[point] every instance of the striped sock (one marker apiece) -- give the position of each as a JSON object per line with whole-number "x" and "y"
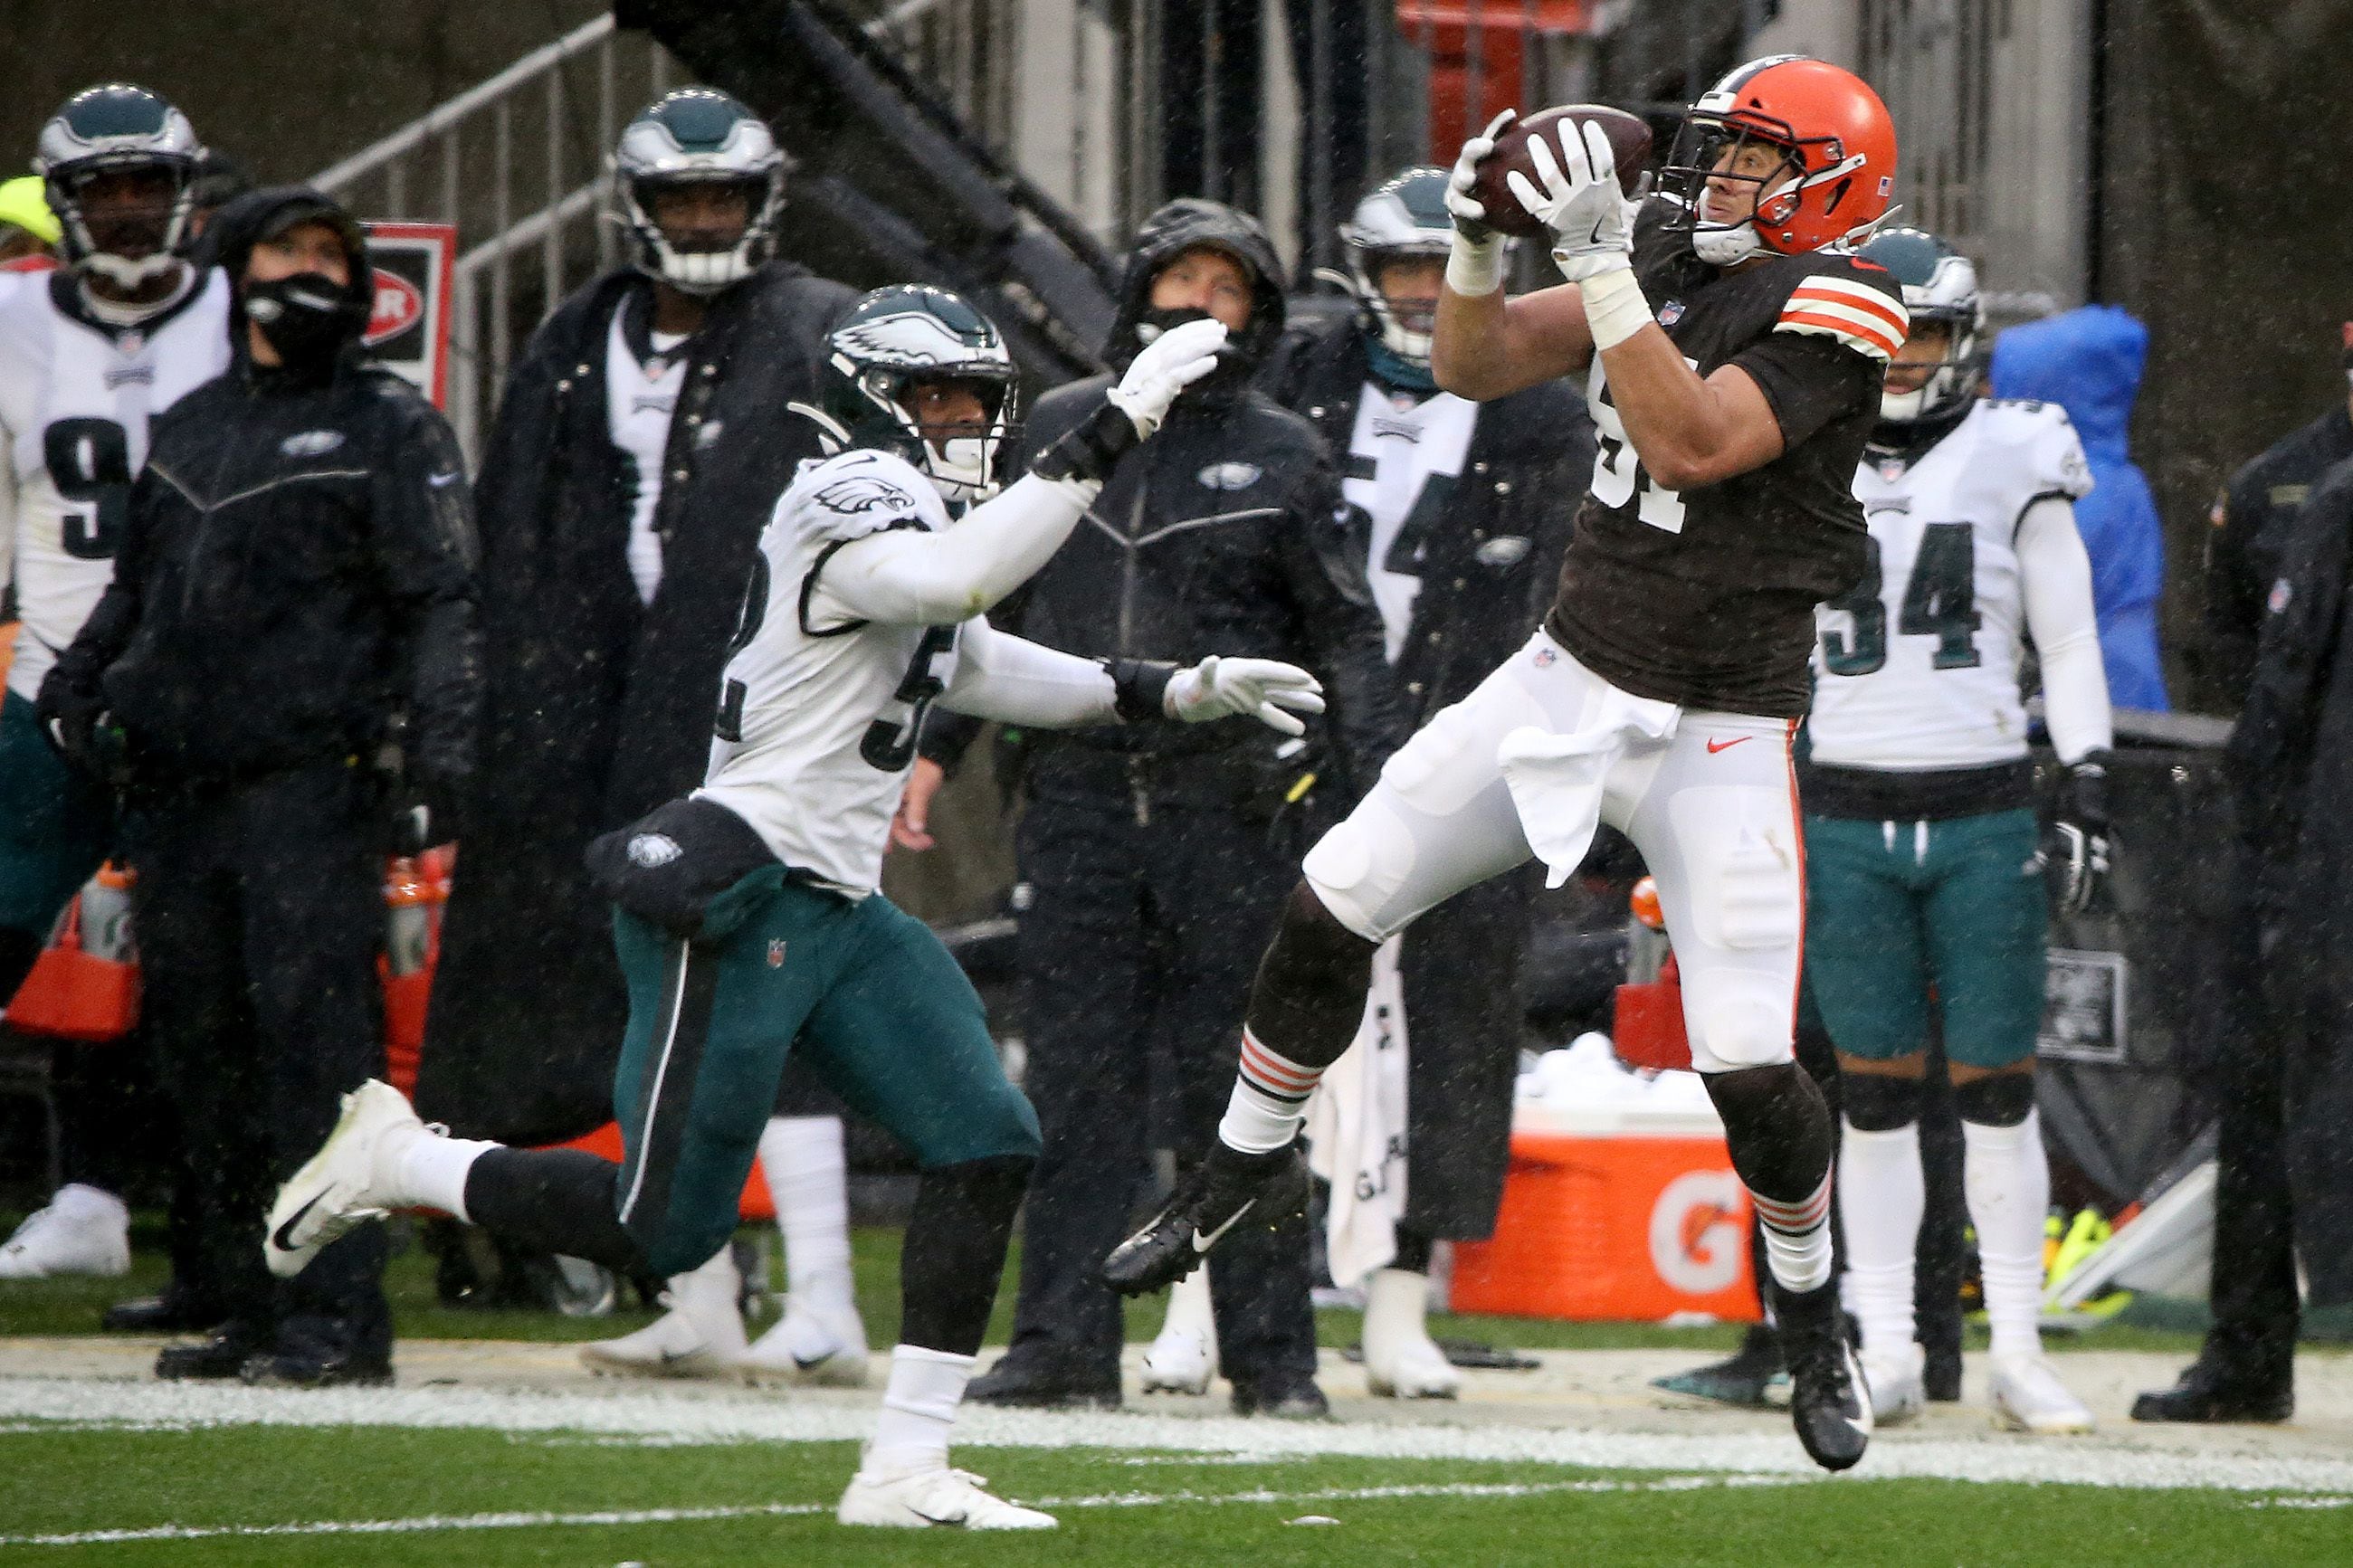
{"x": 1797, "y": 1237}
{"x": 1269, "y": 1099}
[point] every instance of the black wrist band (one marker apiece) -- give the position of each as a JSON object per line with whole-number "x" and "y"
{"x": 1088, "y": 449}
{"x": 1139, "y": 687}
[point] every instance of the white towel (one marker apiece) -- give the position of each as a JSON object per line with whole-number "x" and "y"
{"x": 1355, "y": 1131}
{"x": 1556, "y": 779}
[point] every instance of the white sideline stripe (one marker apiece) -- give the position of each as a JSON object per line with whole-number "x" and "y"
{"x": 2084, "y": 1461}
{"x": 787, "y": 1509}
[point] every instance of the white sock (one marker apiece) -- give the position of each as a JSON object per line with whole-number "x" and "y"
{"x": 1797, "y": 1237}
{"x": 1269, "y": 1099}
{"x": 1882, "y": 1196}
{"x": 808, "y": 1178}
{"x": 2009, "y": 1186}
{"x": 431, "y": 1172}
{"x": 919, "y": 1408}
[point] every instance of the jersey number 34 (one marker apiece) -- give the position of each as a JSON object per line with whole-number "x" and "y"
{"x": 1940, "y": 601}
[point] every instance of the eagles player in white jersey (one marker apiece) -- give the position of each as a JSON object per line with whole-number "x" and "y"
{"x": 748, "y": 914}
{"x": 89, "y": 355}
{"x": 1923, "y": 867}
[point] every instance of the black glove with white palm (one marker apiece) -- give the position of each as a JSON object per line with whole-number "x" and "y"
{"x": 1219, "y": 686}
{"x": 2076, "y": 850}
{"x": 1133, "y": 409}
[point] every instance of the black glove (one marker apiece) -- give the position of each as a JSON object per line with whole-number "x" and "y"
{"x": 81, "y": 731}
{"x": 2076, "y": 847}
{"x": 424, "y": 814}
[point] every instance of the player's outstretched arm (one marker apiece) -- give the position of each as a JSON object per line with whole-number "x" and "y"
{"x": 914, "y": 577}
{"x": 1486, "y": 346}
{"x": 2057, "y": 574}
{"x": 999, "y": 676}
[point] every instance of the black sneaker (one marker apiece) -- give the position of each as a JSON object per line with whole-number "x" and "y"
{"x": 222, "y": 1355}
{"x": 2207, "y": 1393}
{"x": 1213, "y": 1197}
{"x": 1829, "y": 1404}
{"x": 1286, "y": 1396}
{"x": 308, "y": 1369}
{"x": 1024, "y": 1383}
{"x": 171, "y": 1312}
{"x": 1740, "y": 1380}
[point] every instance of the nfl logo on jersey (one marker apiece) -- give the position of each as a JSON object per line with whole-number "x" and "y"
{"x": 776, "y": 953}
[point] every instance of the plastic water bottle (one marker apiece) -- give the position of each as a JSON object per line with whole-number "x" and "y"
{"x": 1646, "y": 935}
{"x": 106, "y": 916}
{"x": 408, "y": 916}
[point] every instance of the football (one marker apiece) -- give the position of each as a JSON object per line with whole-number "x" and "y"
{"x": 1629, "y": 138}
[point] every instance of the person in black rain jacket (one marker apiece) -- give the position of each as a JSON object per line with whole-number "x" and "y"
{"x": 283, "y": 677}
{"x": 1155, "y": 859}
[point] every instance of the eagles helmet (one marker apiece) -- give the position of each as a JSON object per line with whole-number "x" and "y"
{"x": 1405, "y": 217}
{"x": 700, "y": 136}
{"x": 894, "y": 338}
{"x": 1940, "y": 288}
{"x": 114, "y": 129}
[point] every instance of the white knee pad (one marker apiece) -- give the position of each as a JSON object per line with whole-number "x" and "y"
{"x": 1357, "y": 867}
{"x": 1738, "y": 1017}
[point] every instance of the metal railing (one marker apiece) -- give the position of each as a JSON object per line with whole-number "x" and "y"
{"x": 520, "y": 161}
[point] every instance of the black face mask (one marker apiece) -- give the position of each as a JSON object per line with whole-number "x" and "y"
{"x": 309, "y": 318}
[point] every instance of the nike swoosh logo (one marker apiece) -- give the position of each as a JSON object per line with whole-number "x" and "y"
{"x": 808, "y": 1363}
{"x": 955, "y": 1521}
{"x": 1716, "y": 746}
{"x": 283, "y": 1237}
{"x": 1201, "y": 1244}
{"x": 671, "y": 1358}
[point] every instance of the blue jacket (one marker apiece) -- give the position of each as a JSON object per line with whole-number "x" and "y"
{"x": 2089, "y": 362}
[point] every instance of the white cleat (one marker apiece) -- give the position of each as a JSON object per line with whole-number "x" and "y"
{"x": 1897, "y": 1393}
{"x": 346, "y": 1183}
{"x": 1181, "y": 1360}
{"x": 1401, "y": 1360}
{"x": 2028, "y": 1397}
{"x": 922, "y": 1500}
{"x": 701, "y": 1335}
{"x": 825, "y": 1347}
{"x": 83, "y": 1230}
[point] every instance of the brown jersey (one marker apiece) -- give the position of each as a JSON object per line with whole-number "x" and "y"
{"x": 1705, "y": 597}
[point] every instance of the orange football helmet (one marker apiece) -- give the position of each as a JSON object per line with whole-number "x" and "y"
{"x": 1833, "y": 135}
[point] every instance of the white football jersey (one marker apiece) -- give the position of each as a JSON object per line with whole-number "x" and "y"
{"x": 1917, "y": 668}
{"x": 818, "y": 723}
{"x": 1404, "y": 456}
{"x": 75, "y": 399}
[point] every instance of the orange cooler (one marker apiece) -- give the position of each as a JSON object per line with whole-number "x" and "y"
{"x": 1614, "y": 1215}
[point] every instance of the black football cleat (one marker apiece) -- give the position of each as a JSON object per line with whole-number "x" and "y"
{"x": 1221, "y": 1192}
{"x": 173, "y": 1312}
{"x": 1829, "y": 1404}
{"x": 1285, "y": 1396}
{"x": 316, "y": 1369}
{"x": 1025, "y": 1383}
{"x": 1740, "y": 1380}
{"x": 220, "y": 1354}
{"x": 2207, "y": 1393}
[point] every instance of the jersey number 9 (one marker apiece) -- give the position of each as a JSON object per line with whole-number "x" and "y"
{"x": 89, "y": 462}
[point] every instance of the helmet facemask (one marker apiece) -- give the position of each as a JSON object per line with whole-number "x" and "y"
{"x": 693, "y": 269}
{"x": 1404, "y": 218}
{"x": 960, "y": 459}
{"x": 698, "y": 137}
{"x": 1709, "y": 149}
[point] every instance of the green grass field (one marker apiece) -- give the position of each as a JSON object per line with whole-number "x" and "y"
{"x": 263, "y": 1497}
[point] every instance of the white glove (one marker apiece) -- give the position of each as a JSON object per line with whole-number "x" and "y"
{"x": 1581, "y": 201}
{"x": 1470, "y": 217}
{"x": 1217, "y": 688}
{"x": 1165, "y": 367}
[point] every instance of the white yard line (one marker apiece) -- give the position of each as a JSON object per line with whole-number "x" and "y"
{"x": 429, "y": 1522}
{"x": 2109, "y": 1461}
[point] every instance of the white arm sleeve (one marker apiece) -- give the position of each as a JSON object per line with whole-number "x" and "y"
{"x": 2058, "y": 580}
{"x": 914, "y": 577}
{"x": 1001, "y": 676}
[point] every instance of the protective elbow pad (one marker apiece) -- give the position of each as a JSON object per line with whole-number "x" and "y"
{"x": 1878, "y": 1101}
{"x": 2002, "y": 1099}
{"x": 1089, "y": 448}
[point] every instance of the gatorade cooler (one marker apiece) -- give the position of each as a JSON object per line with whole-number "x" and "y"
{"x": 85, "y": 984}
{"x": 755, "y": 1204}
{"x": 1628, "y": 1213}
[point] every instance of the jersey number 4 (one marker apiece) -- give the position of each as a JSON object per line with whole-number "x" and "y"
{"x": 890, "y": 743}
{"x": 1940, "y": 601}
{"x": 89, "y": 462}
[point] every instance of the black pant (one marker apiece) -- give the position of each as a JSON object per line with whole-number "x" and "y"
{"x": 259, "y": 913}
{"x": 2255, "y": 1299}
{"x": 1140, "y": 943}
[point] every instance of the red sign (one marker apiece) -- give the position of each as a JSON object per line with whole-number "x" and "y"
{"x": 399, "y": 306}
{"x": 408, "y": 321}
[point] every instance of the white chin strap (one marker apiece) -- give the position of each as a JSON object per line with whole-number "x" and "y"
{"x": 1404, "y": 341}
{"x": 959, "y": 467}
{"x": 125, "y": 273}
{"x": 1720, "y": 246}
{"x": 703, "y": 271}
{"x": 1902, "y": 407}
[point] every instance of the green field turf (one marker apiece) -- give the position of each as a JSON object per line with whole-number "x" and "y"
{"x": 429, "y": 1492}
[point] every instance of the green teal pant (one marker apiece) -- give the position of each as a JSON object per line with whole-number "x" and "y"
{"x": 1893, "y": 909}
{"x": 55, "y": 825}
{"x": 881, "y": 1011}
